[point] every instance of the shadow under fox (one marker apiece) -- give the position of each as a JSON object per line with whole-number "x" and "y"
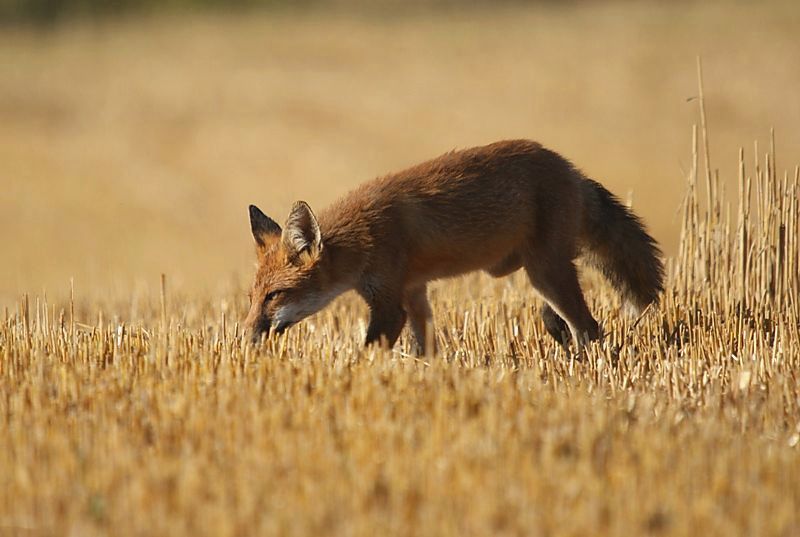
{"x": 498, "y": 208}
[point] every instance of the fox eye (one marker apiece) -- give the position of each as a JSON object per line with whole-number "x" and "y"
{"x": 272, "y": 294}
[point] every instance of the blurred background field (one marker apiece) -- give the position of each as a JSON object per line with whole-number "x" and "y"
{"x": 131, "y": 145}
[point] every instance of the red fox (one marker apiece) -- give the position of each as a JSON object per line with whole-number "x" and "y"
{"x": 498, "y": 208}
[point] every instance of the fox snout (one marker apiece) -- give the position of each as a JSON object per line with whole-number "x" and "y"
{"x": 265, "y": 326}
{"x": 259, "y": 328}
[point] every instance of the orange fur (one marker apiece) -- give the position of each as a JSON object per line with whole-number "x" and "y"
{"x": 498, "y": 208}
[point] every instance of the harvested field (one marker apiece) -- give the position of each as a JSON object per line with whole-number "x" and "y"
{"x": 132, "y": 405}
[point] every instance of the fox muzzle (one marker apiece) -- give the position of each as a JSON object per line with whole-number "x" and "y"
{"x": 267, "y": 328}
{"x": 258, "y": 329}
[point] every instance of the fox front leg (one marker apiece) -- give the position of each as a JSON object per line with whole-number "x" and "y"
{"x": 420, "y": 316}
{"x": 385, "y": 324}
{"x": 384, "y": 296}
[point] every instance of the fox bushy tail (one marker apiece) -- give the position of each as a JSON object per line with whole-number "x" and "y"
{"x": 617, "y": 244}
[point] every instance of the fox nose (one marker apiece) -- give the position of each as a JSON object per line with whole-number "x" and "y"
{"x": 259, "y": 328}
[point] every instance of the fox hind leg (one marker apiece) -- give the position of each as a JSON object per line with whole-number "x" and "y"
{"x": 555, "y": 326}
{"x": 416, "y": 304}
{"x": 557, "y": 282}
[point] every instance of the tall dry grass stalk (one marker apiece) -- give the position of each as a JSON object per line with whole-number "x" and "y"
{"x": 755, "y": 257}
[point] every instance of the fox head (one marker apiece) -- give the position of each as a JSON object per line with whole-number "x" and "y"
{"x": 289, "y": 282}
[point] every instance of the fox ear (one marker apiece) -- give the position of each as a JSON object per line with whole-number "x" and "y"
{"x": 301, "y": 233}
{"x": 262, "y": 225}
